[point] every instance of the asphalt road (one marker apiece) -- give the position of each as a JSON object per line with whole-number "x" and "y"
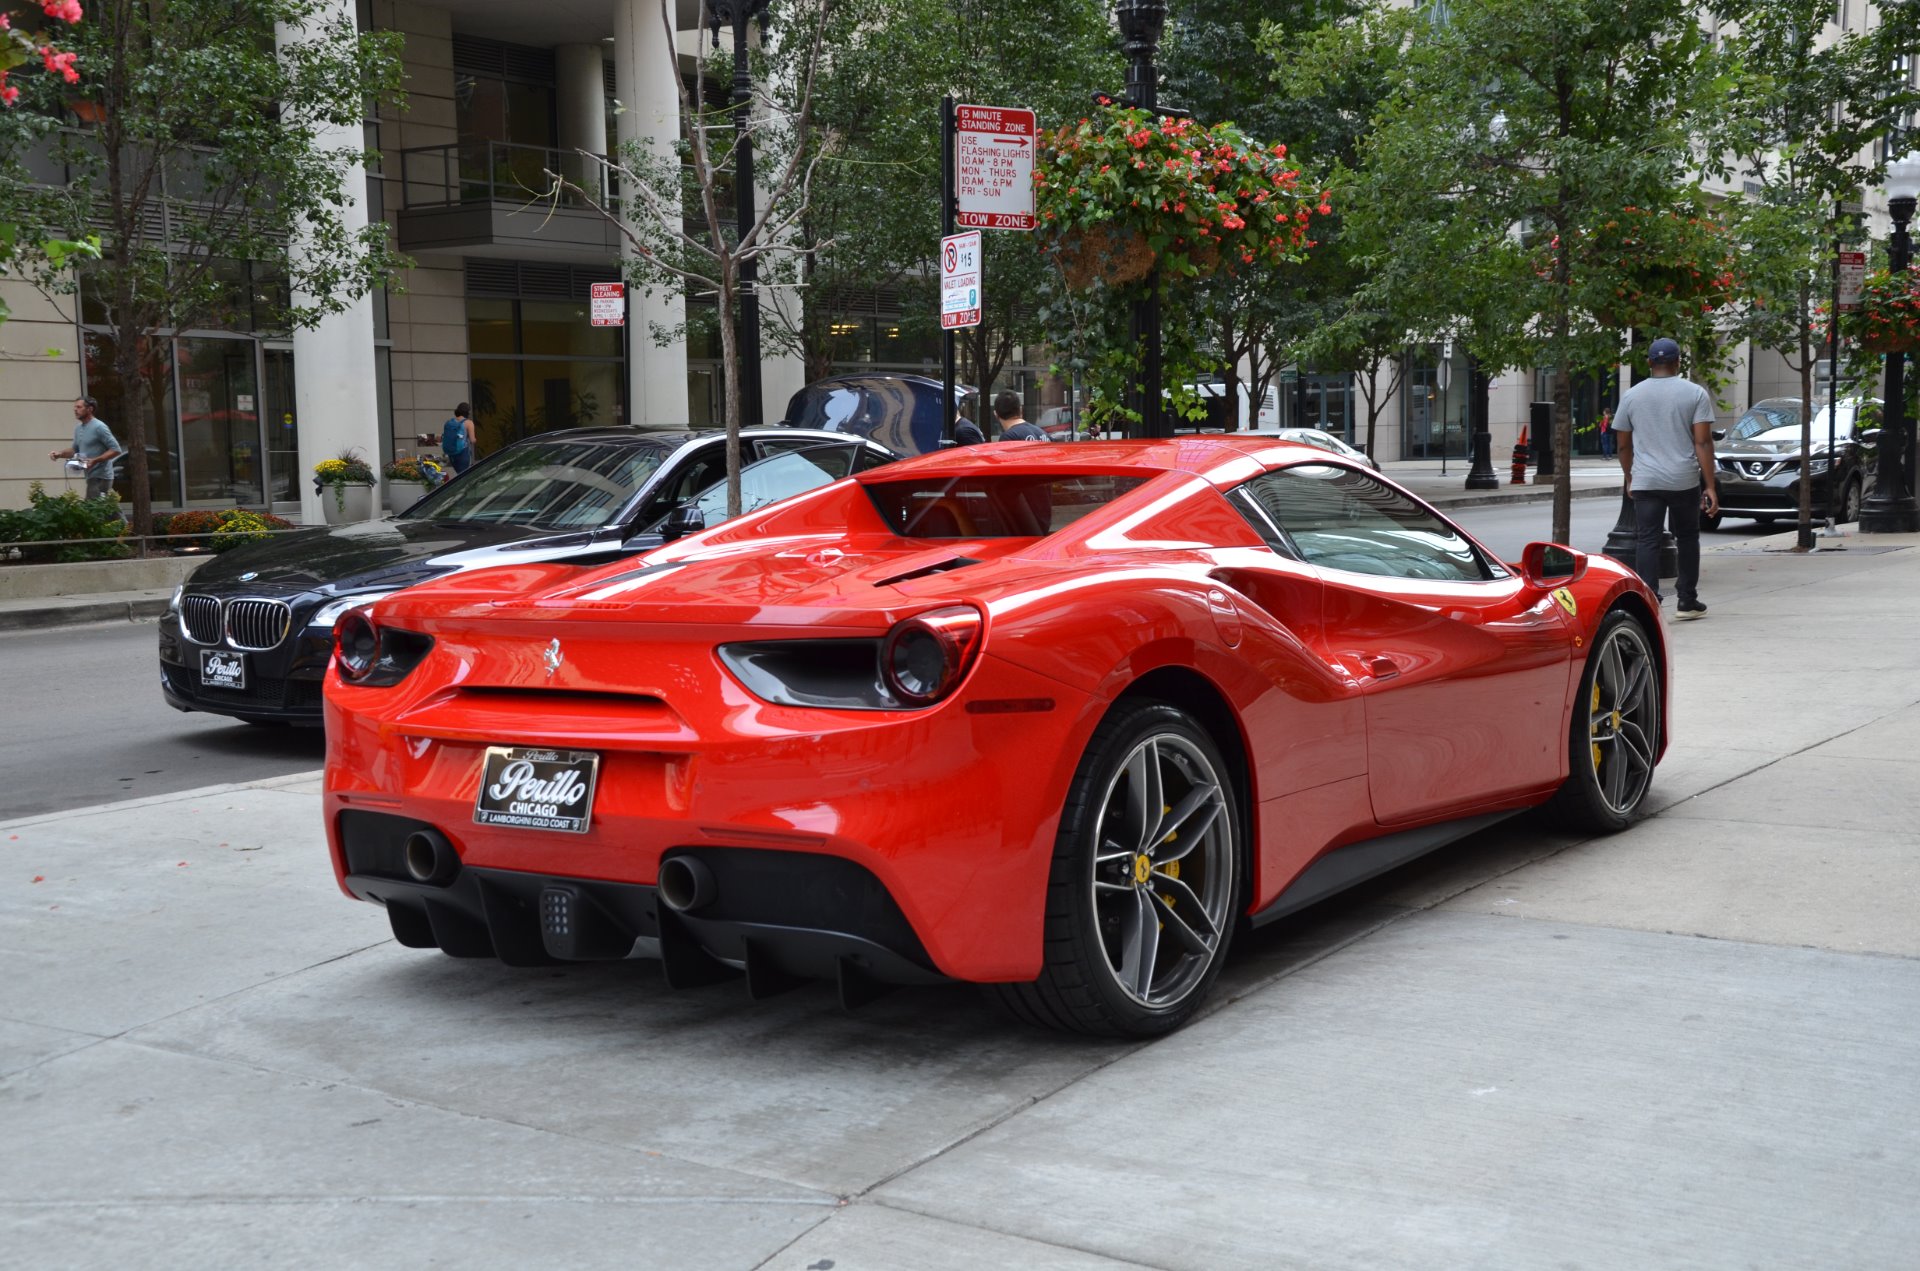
{"x": 93, "y": 728}
{"x": 87, "y": 725}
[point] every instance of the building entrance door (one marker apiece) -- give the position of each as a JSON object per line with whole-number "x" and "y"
{"x": 221, "y": 448}
{"x": 281, "y": 428}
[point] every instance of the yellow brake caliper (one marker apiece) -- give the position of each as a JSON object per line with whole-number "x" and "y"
{"x": 1593, "y": 730}
{"x": 1172, "y": 868}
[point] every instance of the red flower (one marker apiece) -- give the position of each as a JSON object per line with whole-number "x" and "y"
{"x": 65, "y": 10}
{"x": 60, "y": 63}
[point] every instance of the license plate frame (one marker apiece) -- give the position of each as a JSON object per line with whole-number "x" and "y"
{"x": 537, "y": 788}
{"x": 223, "y": 669}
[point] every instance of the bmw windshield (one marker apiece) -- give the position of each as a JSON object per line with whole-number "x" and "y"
{"x": 548, "y": 485}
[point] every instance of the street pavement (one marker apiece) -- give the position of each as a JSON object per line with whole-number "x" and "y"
{"x": 1694, "y": 1044}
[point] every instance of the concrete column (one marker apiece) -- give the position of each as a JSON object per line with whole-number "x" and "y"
{"x": 336, "y": 406}
{"x": 646, "y": 70}
{"x": 583, "y": 111}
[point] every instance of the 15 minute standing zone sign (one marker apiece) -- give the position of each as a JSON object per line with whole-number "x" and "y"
{"x": 993, "y": 167}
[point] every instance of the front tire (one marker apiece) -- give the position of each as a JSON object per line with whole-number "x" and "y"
{"x": 1614, "y": 738}
{"x": 1849, "y": 509}
{"x": 1145, "y": 885}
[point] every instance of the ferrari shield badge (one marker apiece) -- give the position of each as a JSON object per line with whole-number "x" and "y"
{"x": 1566, "y": 601}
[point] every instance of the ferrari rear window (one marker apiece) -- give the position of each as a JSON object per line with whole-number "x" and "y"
{"x": 993, "y": 506}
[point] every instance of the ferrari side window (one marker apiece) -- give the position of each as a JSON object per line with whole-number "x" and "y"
{"x": 1341, "y": 519}
{"x": 1253, "y": 514}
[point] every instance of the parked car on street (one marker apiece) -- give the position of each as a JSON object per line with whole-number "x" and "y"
{"x": 901, "y": 412}
{"x": 249, "y": 634}
{"x": 1057, "y": 720}
{"x": 1757, "y": 463}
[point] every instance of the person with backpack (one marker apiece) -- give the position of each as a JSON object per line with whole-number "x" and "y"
{"x": 457, "y": 440}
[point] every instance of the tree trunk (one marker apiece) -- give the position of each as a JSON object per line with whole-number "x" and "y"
{"x": 1562, "y": 439}
{"x": 730, "y": 369}
{"x": 1231, "y": 391}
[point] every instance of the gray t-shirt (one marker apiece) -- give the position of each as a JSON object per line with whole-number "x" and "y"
{"x": 1660, "y": 412}
{"x": 93, "y": 437}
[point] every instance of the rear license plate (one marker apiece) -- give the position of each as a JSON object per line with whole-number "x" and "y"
{"x": 531, "y": 789}
{"x": 222, "y": 669}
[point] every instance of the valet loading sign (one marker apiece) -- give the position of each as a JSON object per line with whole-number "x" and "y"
{"x": 960, "y": 280}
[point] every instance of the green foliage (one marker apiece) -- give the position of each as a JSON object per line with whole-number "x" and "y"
{"x": 50, "y": 517}
{"x": 241, "y": 526}
{"x": 1888, "y": 319}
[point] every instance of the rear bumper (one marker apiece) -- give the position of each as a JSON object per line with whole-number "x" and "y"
{"x": 777, "y": 917}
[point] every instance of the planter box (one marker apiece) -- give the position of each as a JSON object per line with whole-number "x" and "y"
{"x": 402, "y": 495}
{"x": 346, "y": 504}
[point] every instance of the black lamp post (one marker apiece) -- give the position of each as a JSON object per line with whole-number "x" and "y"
{"x": 1891, "y": 508}
{"x": 1480, "y": 423}
{"x": 737, "y": 14}
{"x": 1141, "y": 22}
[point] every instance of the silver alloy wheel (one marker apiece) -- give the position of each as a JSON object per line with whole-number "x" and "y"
{"x": 1623, "y": 719}
{"x": 1849, "y": 503}
{"x": 1163, "y": 872}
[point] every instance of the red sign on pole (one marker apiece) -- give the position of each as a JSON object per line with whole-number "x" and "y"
{"x": 993, "y": 167}
{"x": 1853, "y": 277}
{"x": 607, "y": 304}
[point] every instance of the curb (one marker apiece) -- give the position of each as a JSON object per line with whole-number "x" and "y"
{"x": 1541, "y": 495}
{"x": 50, "y": 616}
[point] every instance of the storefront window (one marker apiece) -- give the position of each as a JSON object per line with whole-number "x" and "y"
{"x": 149, "y": 414}
{"x": 1434, "y": 414}
{"x": 219, "y": 421}
{"x": 563, "y": 329}
{"x": 545, "y": 366}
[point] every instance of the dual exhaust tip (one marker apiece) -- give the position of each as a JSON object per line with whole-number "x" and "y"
{"x": 685, "y": 885}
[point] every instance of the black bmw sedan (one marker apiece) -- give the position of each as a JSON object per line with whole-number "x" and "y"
{"x": 249, "y": 634}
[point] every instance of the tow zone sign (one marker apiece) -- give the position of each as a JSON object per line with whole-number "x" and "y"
{"x": 993, "y": 167}
{"x": 960, "y": 280}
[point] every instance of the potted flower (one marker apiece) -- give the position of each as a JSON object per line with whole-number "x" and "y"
{"x": 350, "y": 480}
{"x": 408, "y": 477}
{"x": 1126, "y": 190}
{"x": 1888, "y": 319}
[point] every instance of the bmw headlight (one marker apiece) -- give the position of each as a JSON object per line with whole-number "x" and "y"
{"x": 330, "y": 612}
{"x": 173, "y": 606}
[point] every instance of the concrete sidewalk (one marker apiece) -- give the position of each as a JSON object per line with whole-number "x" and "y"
{"x": 1694, "y": 1044}
{"x": 38, "y": 596}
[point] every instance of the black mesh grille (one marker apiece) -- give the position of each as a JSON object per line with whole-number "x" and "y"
{"x": 200, "y": 615}
{"x": 257, "y": 624}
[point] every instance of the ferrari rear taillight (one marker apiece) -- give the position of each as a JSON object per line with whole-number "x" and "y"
{"x": 377, "y": 657}
{"x": 356, "y": 644}
{"x": 925, "y": 657}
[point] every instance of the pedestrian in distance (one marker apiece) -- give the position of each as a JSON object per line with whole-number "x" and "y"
{"x": 94, "y": 448}
{"x": 1606, "y": 434}
{"x": 457, "y": 440}
{"x": 966, "y": 432}
{"x": 1664, "y": 426}
{"x": 1013, "y": 426}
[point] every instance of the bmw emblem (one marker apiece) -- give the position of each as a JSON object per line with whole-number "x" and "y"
{"x": 249, "y": 576}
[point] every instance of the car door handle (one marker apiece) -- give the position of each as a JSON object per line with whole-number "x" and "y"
{"x": 1382, "y": 668}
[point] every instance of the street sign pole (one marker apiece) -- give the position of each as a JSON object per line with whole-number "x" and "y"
{"x": 946, "y": 230}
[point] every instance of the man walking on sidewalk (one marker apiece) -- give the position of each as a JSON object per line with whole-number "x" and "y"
{"x": 1665, "y": 429}
{"x": 94, "y": 446}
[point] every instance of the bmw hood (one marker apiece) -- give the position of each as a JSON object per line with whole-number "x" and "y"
{"x": 393, "y": 553}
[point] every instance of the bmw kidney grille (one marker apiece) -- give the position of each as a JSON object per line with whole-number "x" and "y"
{"x": 257, "y": 624}
{"x": 200, "y": 619}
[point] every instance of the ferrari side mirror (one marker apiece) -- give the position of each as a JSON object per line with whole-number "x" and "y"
{"x": 1551, "y": 565}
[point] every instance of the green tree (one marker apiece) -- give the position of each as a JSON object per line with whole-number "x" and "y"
{"x": 1514, "y": 127}
{"x": 207, "y": 146}
{"x": 26, "y": 38}
{"x": 1808, "y": 106}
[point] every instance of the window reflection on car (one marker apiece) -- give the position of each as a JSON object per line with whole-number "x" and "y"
{"x": 780, "y": 477}
{"x": 560, "y": 485}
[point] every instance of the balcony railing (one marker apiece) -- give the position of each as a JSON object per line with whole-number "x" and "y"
{"x": 476, "y": 170}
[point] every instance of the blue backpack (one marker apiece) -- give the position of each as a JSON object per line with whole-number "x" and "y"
{"x": 453, "y": 438}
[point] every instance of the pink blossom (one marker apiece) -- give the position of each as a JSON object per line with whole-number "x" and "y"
{"x": 65, "y": 10}
{"x": 8, "y": 93}
{"x": 60, "y": 63}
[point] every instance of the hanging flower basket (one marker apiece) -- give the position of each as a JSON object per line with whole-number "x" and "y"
{"x": 1888, "y": 319}
{"x": 1663, "y": 266}
{"x": 1124, "y": 191}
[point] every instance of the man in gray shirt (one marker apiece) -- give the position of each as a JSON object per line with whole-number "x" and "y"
{"x": 1665, "y": 427}
{"x": 94, "y": 445}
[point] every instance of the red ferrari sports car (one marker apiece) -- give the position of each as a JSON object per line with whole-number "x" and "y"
{"x": 1057, "y": 720}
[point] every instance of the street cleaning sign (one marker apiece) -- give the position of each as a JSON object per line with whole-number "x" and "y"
{"x": 1853, "y": 277}
{"x": 993, "y": 167}
{"x": 960, "y": 280}
{"x": 607, "y": 304}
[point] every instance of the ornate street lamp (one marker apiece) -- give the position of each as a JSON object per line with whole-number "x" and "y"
{"x": 737, "y": 14}
{"x": 1891, "y": 508}
{"x": 1141, "y": 22}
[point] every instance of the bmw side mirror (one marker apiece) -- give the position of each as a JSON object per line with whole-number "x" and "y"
{"x": 1551, "y": 565}
{"x": 682, "y": 521}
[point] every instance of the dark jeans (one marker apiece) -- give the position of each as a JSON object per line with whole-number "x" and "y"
{"x": 462, "y": 461}
{"x": 1679, "y": 510}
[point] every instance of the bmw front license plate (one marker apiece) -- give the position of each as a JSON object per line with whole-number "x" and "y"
{"x": 222, "y": 669}
{"x": 531, "y": 789}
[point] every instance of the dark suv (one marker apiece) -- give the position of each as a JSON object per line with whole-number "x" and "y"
{"x": 1757, "y": 463}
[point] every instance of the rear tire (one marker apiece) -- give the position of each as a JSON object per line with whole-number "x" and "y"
{"x": 1146, "y": 882}
{"x": 1614, "y": 738}
{"x": 1849, "y": 509}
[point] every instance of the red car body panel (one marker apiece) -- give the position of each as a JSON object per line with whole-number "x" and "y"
{"x": 1360, "y": 704}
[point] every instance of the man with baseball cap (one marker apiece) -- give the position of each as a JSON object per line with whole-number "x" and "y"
{"x": 1665, "y": 428}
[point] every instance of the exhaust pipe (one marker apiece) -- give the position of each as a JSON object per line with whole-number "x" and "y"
{"x": 686, "y": 884}
{"x": 430, "y": 858}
